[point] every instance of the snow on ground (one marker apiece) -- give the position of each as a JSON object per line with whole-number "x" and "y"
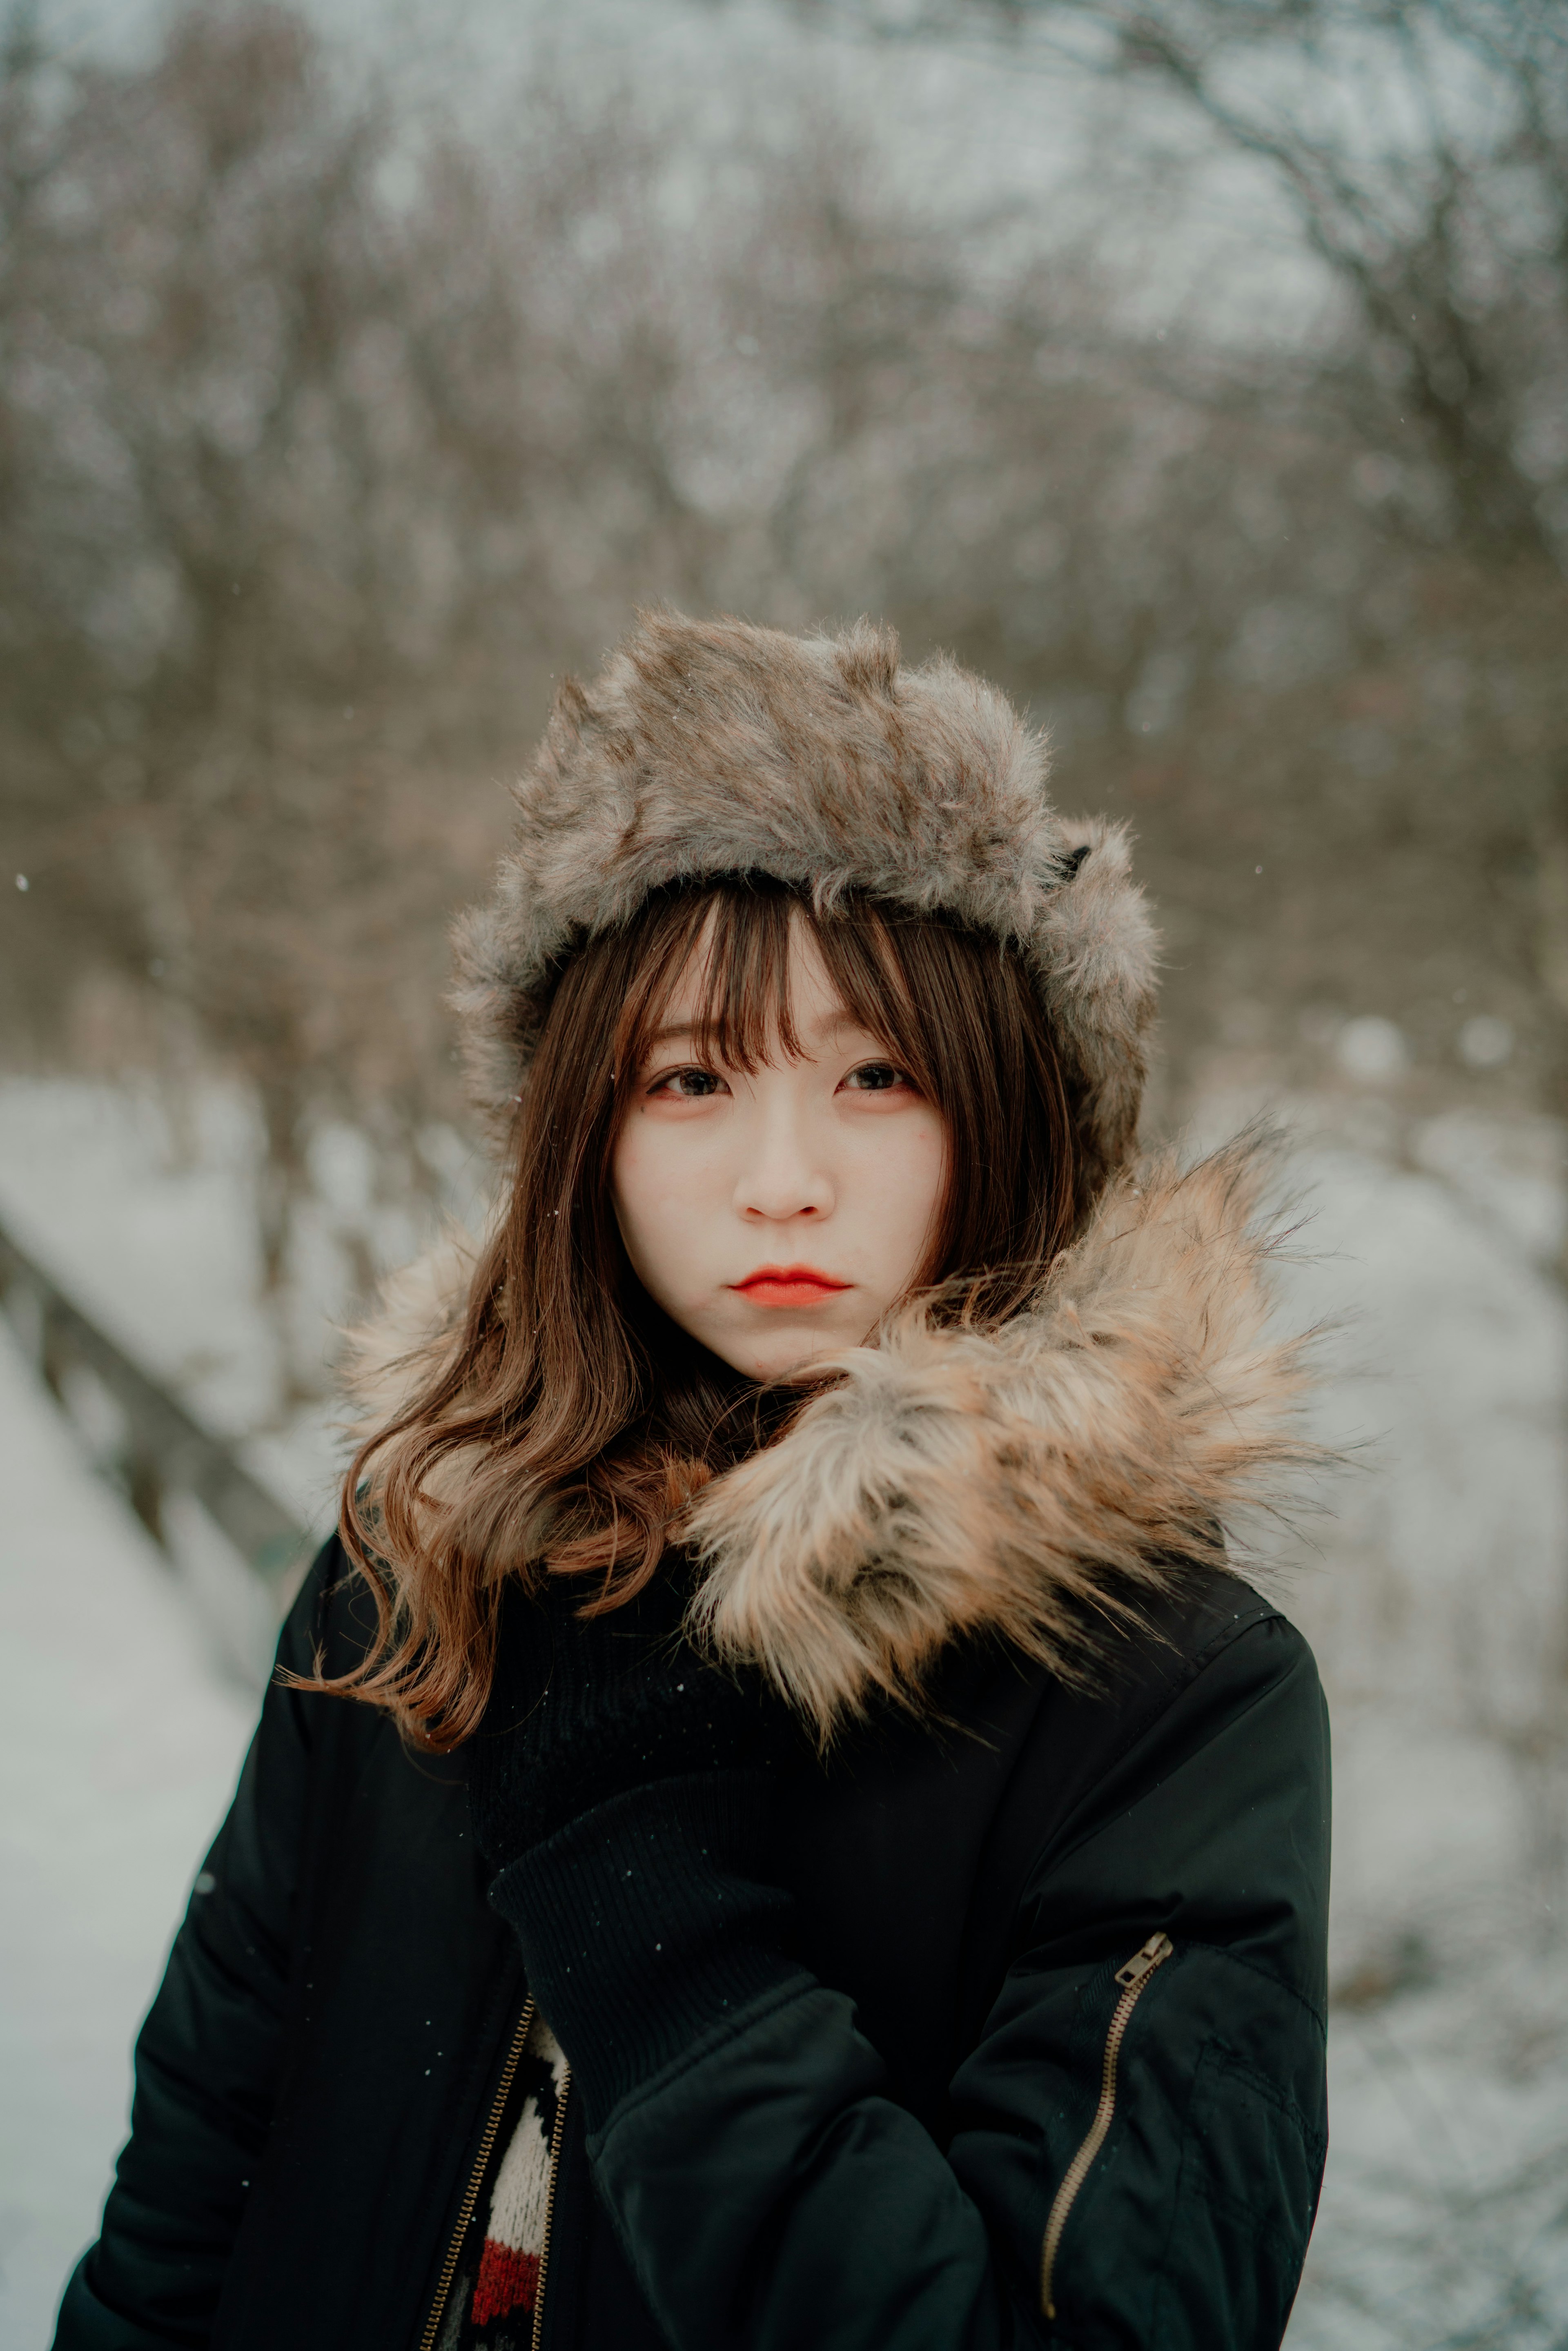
{"x": 1435, "y": 1605}
{"x": 1444, "y": 2220}
{"x": 1433, "y": 1596}
{"x": 1437, "y": 1608}
{"x": 152, "y": 1230}
{"x": 119, "y": 1743}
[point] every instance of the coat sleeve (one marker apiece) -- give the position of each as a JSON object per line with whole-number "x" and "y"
{"x": 207, "y": 2058}
{"x": 770, "y": 2196}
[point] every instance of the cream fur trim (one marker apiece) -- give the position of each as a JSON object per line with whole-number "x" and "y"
{"x": 390, "y": 1357}
{"x": 388, "y": 1360}
{"x": 1024, "y": 1483}
{"x": 1031, "y": 1483}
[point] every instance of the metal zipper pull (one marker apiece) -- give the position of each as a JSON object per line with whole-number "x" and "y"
{"x": 1132, "y": 1977}
{"x": 1144, "y": 1963}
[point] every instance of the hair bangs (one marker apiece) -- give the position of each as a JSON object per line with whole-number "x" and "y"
{"x": 742, "y": 931}
{"x": 738, "y": 932}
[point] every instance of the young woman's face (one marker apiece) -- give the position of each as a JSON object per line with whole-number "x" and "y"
{"x": 776, "y": 1218}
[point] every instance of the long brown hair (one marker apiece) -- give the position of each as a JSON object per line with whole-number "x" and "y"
{"x": 564, "y": 1425}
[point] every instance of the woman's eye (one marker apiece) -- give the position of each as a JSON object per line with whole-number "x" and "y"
{"x": 688, "y": 1085}
{"x": 876, "y": 1078}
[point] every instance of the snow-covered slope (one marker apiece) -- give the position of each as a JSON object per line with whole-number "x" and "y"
{"x": 119, "y": 1743}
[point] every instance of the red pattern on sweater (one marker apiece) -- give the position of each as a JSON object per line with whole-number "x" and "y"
{"x": 507, "y": 2281}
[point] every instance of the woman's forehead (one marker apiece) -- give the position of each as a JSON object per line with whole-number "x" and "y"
{"x": 793, "y": 1007}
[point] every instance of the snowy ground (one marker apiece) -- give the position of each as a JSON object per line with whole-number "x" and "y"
{"x": 119, "y": 1745}
{"x": 1436, "y": 1604}
{"x": 1435, "y": 1599}
{"x": 152, "y": 1233}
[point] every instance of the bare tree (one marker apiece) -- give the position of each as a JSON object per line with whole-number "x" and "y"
{"x": 1423, "y": 148}
{"x": 341, "y": 438}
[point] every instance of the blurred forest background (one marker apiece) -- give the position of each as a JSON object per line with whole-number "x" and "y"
{"x": 329, "y": 433}
{"x": 343, "y": 407}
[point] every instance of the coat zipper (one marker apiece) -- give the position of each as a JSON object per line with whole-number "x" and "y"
{"x": 471, "y": 2193}
{"x": 557, "y": 2134}
{"x": 1131, "y": 1978}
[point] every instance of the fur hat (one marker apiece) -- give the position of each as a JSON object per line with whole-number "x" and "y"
{"x": 707, "y": 747}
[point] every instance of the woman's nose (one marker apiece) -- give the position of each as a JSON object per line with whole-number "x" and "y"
{"x": 780, "y": 1177}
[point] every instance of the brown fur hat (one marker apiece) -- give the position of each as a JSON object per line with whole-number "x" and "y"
{"x": 707, "y": 747}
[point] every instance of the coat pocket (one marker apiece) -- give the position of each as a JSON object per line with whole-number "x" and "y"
{"x": 1246, "y": 2194}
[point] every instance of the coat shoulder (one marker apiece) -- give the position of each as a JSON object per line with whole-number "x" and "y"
{"x": 1197, "y": 1782}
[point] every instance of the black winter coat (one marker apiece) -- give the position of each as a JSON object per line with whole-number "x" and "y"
{"x": 1042, "y": 2062}
{"x": 870, "y": 2163}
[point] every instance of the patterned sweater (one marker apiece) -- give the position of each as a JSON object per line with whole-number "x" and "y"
{"x": 497, "y": 2287}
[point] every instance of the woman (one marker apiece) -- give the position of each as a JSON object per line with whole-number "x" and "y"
{"x": 775, "y": 1826}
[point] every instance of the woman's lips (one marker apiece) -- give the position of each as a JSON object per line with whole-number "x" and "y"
{"x": 788, "y": 1285}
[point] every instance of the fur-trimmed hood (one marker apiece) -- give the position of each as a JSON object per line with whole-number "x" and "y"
{"x": 707, "y": 747}
{"x": 1031, "y": 1483}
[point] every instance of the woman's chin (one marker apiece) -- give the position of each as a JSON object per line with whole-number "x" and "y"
{"x": 777, "y": 1354}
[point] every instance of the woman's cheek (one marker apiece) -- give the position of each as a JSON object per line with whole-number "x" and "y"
{"x": 902, "y": 1174}
{"x": 663, "y": 1209}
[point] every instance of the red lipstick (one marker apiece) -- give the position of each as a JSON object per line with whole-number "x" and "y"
{"x": 788, "y": 1285}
